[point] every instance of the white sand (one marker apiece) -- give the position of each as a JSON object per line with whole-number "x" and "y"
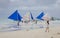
{"x": 36, "y": 33}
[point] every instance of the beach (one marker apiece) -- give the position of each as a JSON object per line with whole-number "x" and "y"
{"x": 29, "y": 18}
{"x": 37, "y": 33}
{"x": 54, "y": 32}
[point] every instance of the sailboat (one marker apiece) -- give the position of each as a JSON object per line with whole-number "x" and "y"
{"x": 43, "y": 16}
{"x": 16, "y": 17}
{"x": 28, "y": 17}
{"x": 40, "y": 16}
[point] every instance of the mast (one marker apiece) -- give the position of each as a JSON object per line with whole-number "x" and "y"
{"x": 18, "y": 20}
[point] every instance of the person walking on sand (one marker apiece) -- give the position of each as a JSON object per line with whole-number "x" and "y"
{"x": 47, "y": 28}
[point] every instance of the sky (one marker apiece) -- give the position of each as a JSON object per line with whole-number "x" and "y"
{"x": 7, "y": 7}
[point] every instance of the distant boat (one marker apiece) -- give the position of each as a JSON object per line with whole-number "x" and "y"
{"x": 16, "y": 17}
{"x": 55, "y": 18}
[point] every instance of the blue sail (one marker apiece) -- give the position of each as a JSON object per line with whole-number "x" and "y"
{"x": 31, "y": 16}
{"x": 40, "y": 16}
{"x": 15, "y": 16}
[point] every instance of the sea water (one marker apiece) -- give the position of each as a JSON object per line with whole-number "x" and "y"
{"x": 10, "y": 25}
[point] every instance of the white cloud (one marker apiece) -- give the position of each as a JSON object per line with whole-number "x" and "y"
{"x": 49, "y": 6}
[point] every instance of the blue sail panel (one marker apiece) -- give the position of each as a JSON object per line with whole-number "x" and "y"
{"x": 40, "y": 16}
{"x": 31, "y": 16}
{"x": 15, "y": 16}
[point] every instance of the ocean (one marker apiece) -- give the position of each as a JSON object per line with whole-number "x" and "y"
{"x": 10, "y": 25}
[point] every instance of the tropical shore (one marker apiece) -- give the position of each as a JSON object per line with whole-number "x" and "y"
{"x": 36, "y": 33}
